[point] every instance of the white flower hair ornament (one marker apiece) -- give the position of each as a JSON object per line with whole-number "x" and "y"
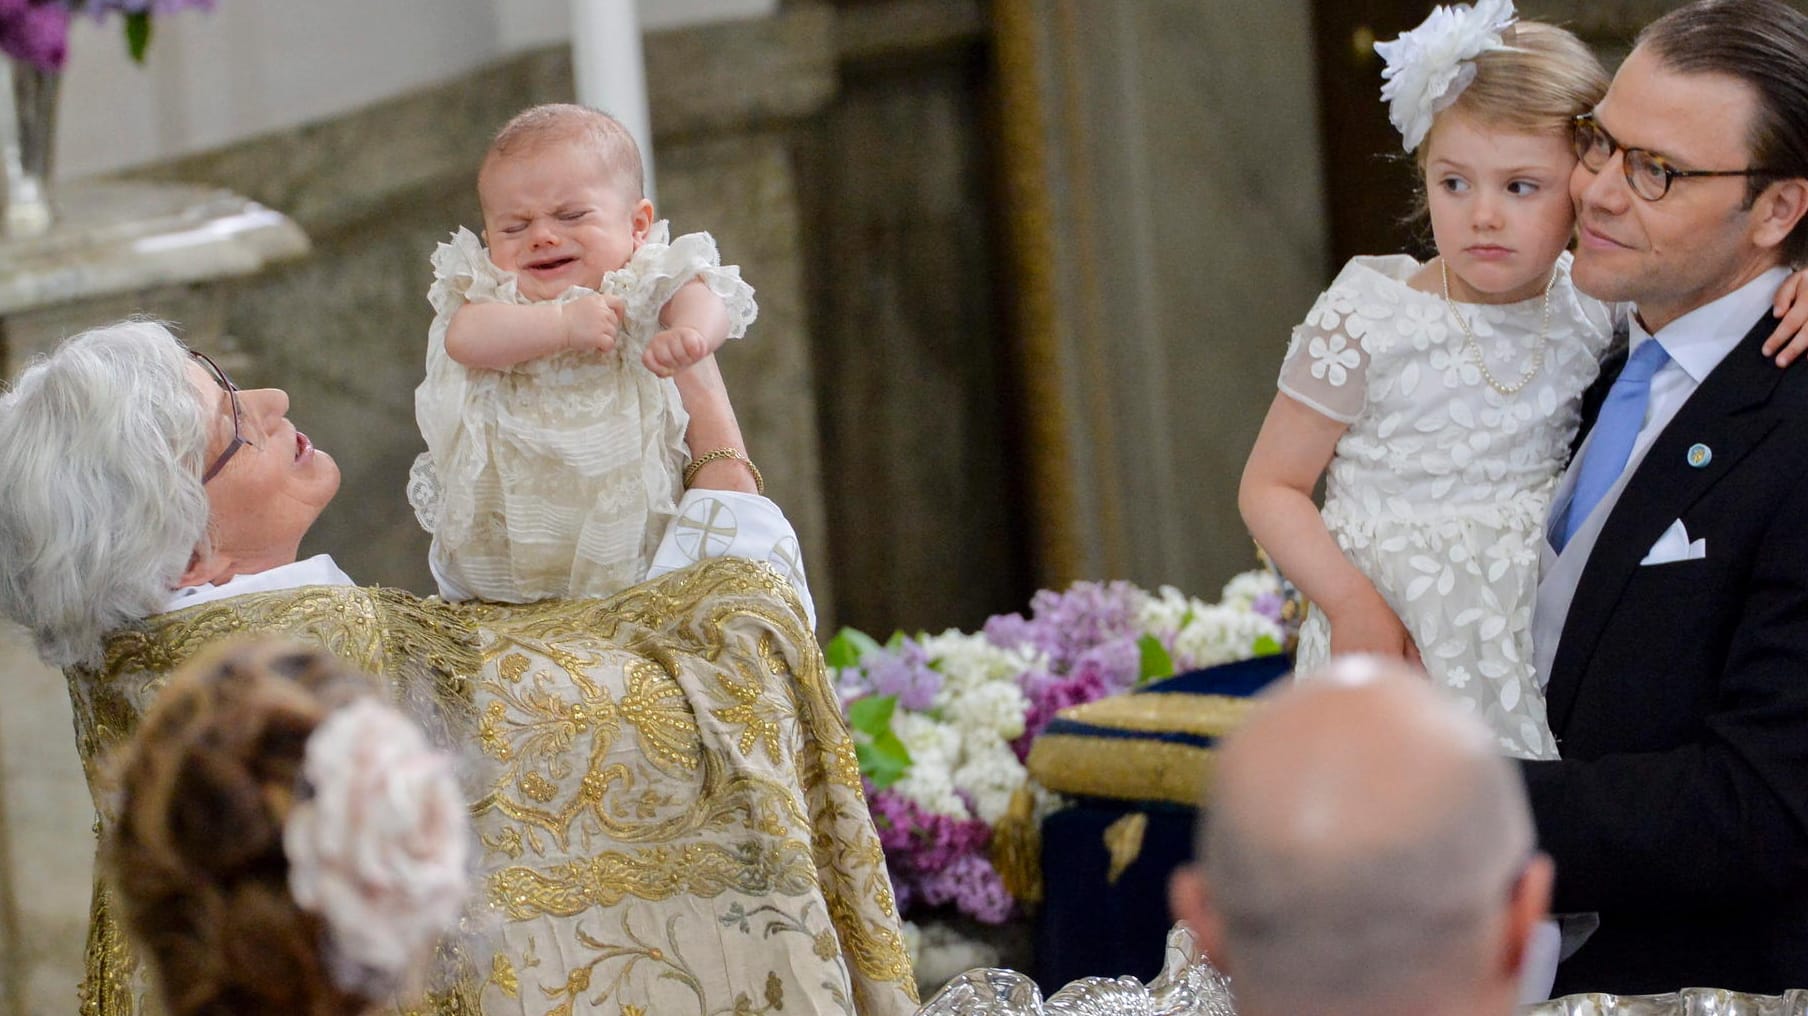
{"x": 380, "y": 848}
{"x": 1429, "y": 66}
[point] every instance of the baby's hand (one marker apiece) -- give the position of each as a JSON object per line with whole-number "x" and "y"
{"x": 591, "y": 322}
{"x": 673, "y": 350}
{"x": 1371, "y": 626}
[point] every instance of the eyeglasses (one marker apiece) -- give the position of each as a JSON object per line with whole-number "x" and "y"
{"x": 1648, "y": 175}
{"x": 232, "y": 394}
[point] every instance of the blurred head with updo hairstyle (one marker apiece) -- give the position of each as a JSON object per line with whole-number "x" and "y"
{"x": 286, "y": 843}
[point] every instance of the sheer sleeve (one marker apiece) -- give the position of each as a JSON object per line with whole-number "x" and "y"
{"x": 463, "y": 273}
{"x": 1326, "y": 369}
{"x": 659, "y": 268}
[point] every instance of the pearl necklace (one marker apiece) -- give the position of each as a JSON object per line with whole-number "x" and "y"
{"x": 1475, "y": 348}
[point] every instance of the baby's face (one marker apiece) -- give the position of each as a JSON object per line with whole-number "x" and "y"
{"x": 555, "y": 218}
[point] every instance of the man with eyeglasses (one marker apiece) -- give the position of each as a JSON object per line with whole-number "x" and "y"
{"x": 1672, "y": 617}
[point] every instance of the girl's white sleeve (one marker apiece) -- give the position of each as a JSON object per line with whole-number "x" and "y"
{"x": 1326, "y": 367}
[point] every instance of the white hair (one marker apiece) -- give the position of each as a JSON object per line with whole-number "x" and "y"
{"x": 1364, "y": 928}
{"x": 101, "y": 505}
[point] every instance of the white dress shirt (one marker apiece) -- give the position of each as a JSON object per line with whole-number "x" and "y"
{"x": 1696, "y": 342}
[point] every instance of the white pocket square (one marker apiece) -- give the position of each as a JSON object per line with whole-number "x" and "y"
{"x": 1675, "y": 545}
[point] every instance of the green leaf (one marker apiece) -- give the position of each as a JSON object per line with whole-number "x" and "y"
{"x": 872, "y": 715}
{"x": 1156, "y": 661}
{"x": 138, "y": 34}
{"x": 1267, "y": 645}
{"x": 884, "y": 759}
{"x": 881, "y": 754}
{"x": 846, "y": 648}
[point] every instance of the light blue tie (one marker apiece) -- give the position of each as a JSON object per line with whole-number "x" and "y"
{"x": 1610, "y": 443}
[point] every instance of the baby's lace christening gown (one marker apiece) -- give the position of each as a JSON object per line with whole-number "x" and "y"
{"x": 556, "y": 477}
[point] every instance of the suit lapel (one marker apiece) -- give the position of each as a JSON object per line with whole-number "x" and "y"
{"x": 1726, "y": 413}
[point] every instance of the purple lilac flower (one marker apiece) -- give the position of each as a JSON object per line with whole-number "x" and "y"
{"x": 1269, "y": 605}
{"x": 1049, "y": 694}
{"x": 1010, "y": 631}
{"x": 1065, "y": 625}
{"x": 936, "y": 859}
{"x": 101, "y": 8}
{"x": 1118, "y": 663}
{"x": 35, "y": 33}
{"x": 903, "y": 671}
{"x": 973, "y": 886}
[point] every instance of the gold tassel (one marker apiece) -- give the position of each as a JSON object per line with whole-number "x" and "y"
{"x": 1017, "y": 848}
{"x": 1124, "y": 841}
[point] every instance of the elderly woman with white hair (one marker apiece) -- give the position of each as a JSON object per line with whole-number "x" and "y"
{"x": 669, "y": 809}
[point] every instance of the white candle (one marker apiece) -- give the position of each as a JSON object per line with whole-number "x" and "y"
{"x": 610, "y": 71}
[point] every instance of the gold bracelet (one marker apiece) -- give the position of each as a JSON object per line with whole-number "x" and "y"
{"x": 690, "y": 471}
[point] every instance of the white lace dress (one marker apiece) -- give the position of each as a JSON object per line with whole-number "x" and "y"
{"x": 556, "y": 477}
{"x": 1439, "y": 489}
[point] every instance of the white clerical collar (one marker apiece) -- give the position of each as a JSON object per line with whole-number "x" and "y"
{"x": 1700, "y": 339}
{"x": 318, "y": 570}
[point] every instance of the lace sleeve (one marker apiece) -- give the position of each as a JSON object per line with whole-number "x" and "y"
{"x": 463, "y": 272}
{"x": 1326, "y": 368}
{"x": 661, "y": 268}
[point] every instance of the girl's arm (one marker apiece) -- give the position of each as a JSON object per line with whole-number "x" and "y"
{"x": 1291, "y": 452}
{"x": 497, "y": 336}
{"x": 1793, "y": 309}
{"x": 695, "y": 324}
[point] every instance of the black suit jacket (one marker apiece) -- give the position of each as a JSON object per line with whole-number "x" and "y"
{"x": 1679, "y": 698}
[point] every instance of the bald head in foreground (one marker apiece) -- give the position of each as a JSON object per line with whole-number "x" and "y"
{"x": 1368, "y": 851}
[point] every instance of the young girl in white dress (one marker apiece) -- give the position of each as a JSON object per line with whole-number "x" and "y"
{"x": 560, "y": 364}
{"x": 1442, "y": 398}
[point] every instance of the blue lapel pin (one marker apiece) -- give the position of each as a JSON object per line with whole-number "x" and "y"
{"x": 1700, "y": 455}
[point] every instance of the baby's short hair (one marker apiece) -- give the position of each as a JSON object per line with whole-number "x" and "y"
{"x": 553, "y": 123}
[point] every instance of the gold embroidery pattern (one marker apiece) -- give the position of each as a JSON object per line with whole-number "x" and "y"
{"x": 655, "y": 762}
{"x": 656, "y": 708}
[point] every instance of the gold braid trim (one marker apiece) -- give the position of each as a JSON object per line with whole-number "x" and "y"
{"x": 1124, "y": 770}
{"x": 695, "y": 869}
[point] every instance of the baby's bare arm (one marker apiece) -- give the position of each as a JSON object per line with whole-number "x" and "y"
{"x": 499, "y": 335}
{"x": 694, "y": 324}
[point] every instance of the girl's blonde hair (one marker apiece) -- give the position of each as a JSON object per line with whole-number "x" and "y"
{"x": 1542, "y": 81}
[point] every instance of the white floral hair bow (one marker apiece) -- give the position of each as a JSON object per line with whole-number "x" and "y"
{"x": 1429, "y": 66}
{"x": 381, "y": 848}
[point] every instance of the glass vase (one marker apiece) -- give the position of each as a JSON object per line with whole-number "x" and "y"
{"x": 28, "y": 101}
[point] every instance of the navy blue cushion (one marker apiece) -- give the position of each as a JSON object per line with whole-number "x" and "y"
{"x": 1135, "y": 765}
